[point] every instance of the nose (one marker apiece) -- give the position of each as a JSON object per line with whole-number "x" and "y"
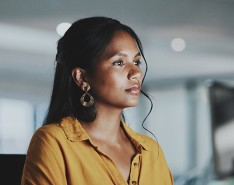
{"x": 135, "y": 73}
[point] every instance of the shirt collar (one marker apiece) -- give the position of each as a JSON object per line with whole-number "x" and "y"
{"x": 137, "y": 139}
{"x": 73, "y": 129}
{"x": 75, "y": 132}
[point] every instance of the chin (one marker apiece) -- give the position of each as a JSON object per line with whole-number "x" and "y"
{"x": 132, "y": 104}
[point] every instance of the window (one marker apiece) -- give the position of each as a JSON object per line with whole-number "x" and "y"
{"x": 16, "y": 125}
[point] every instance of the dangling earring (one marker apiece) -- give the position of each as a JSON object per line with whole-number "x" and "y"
{"x": 86, "y": 95}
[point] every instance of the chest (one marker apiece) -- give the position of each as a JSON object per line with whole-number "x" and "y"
{"x": 85, "y": 164}
{"x": 101, "y": 165}
{"x": 121, "y": 155}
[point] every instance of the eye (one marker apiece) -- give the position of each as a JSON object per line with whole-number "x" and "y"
{"x": 137, "y": 63}
{"x": 118, "y": 63}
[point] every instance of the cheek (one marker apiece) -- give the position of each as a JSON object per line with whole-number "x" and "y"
{"x": 113, "y": 82}
{"x": 107, "y": 83}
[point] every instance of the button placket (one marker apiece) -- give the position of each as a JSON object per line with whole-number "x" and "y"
{"x": 135, "y": 164}
{"x": 118, "y": 177}
{"x": 135, "y": 170}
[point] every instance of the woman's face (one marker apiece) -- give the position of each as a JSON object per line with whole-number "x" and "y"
{"x": 117, "y": 79}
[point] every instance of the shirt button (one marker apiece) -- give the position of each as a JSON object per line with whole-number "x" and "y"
{"x": 134, "y": 182}
{"x": 136, "y": 164}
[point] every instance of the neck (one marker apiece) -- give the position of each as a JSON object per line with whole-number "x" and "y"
{"x": 106, "y": 126}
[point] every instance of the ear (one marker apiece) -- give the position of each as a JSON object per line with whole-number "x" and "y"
{"x": 79, "y": 76}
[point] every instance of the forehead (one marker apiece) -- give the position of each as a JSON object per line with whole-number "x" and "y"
{"x": 121, "y": 42}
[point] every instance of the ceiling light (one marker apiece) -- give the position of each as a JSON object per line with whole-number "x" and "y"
{"x": 62, "y": 28}
{"x": 178, "y": 44}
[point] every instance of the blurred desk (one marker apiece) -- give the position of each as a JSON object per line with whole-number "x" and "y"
{"x": 229, "y": 181}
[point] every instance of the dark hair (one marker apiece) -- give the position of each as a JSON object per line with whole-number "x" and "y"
{"x": 80, "y": 46}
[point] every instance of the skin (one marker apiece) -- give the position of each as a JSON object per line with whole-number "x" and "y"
{"x": 115, "y": 85}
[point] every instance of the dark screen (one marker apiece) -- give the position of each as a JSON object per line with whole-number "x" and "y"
{"x": 11, "y": 168}
{"x": 222, "y": 114}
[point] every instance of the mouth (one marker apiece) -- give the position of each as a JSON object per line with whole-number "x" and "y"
{"x": 135, "y": 89}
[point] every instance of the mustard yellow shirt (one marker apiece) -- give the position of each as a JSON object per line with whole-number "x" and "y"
{"x": 63, "y": 154}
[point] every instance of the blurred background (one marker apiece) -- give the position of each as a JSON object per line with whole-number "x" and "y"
{"x": 188, "y": 45}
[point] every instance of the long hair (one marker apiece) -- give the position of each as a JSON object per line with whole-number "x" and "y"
{"x": 80, "y": 46}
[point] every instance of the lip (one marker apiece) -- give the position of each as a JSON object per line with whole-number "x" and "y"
{"x": 135, "y": 89}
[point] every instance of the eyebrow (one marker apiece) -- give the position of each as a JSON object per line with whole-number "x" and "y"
{"x": 125, "y": 55}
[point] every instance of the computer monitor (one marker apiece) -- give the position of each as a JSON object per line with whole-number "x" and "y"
{"x": 11, "y": 168}
{"x": 222, "y": 119}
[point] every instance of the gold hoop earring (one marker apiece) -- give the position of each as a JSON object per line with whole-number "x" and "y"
{"x": 86, "y": 96}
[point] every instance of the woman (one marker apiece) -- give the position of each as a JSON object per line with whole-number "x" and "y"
{"x": 83, "y": 140}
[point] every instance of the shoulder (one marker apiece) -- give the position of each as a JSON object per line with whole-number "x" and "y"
{"x": 47, "y": 136}
{"x": 51, "y": 134}
{"x": 65, "y": 129}
{"x": 52, "y": 130}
